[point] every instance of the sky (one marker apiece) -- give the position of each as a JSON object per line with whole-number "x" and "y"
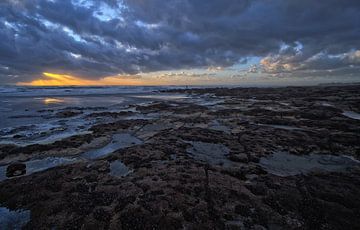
{"x": 158, "y": 42}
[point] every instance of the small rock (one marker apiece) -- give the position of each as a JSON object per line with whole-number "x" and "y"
{"x": 16, "y": 169}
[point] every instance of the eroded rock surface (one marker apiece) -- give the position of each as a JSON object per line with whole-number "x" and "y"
{"x": 256, "y": 158}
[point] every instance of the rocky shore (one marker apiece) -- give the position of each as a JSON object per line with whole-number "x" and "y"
{"x": 238, "y": 158}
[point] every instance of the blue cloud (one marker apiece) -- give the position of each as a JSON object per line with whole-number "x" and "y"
{"x": 99, "y": 38}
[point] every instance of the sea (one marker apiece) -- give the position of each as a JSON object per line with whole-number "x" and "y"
{"x": 28, "y": 115}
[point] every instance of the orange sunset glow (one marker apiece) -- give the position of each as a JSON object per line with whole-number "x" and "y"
{"x": 53, "y": 79}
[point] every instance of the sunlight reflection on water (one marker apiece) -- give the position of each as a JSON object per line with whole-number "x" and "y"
{"x": 49, "y": 100}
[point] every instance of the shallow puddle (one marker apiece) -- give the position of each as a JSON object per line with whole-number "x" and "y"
{"x": 352, "y": 115}
{"x": 285, "y": 164}
{"x": 119, "y": 141}
{"x": 2, "y": 173}
{"x": 209, "y": 152}
{"x": 13, "y": 219}
{"x": 47, "y": 163}
{"x": 38, "y": 165}
{"x": 43, "y": 134}
{"x": 216, "y": 125}
{"x": 118, "y": 169}
{"x": 57, "y": 137}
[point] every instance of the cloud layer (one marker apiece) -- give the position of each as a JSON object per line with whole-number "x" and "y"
{"x": 94, "y": 39}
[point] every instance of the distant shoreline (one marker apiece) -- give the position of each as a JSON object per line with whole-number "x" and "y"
{"x": 243, "y": 85}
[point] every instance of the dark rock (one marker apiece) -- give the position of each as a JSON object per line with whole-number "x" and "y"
{"x": 16, "y": 169}
{"x": 68, "y": 113}
{"x": 185, "y": 193}
{"x": 241, "y": 157}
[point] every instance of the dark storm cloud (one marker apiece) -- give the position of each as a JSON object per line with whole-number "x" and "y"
{"x": 101, "y": 38}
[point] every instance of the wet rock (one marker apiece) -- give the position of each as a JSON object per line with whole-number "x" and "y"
{"x": 154, "y": 107}
{"x": 234, "y": 225}
{"x": 68, "y": 146}
{"x": 118, "y": 126}
{"x": 68, "y": 113}
{"x": 257, "y": 189}
{"x": 197, "y": 189}
{"x": 259, "y": 227}
{"x": 243, "y": 209}
{"x": 241, "y": 157}
{"x": 103, "y": 166}
{"x": 110, "y": 114}
{"x": 15, "y": 169}
{"x": 254, "y": 158}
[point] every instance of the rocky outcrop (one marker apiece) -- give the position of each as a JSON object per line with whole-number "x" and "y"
{"x": 167, "y": 186}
